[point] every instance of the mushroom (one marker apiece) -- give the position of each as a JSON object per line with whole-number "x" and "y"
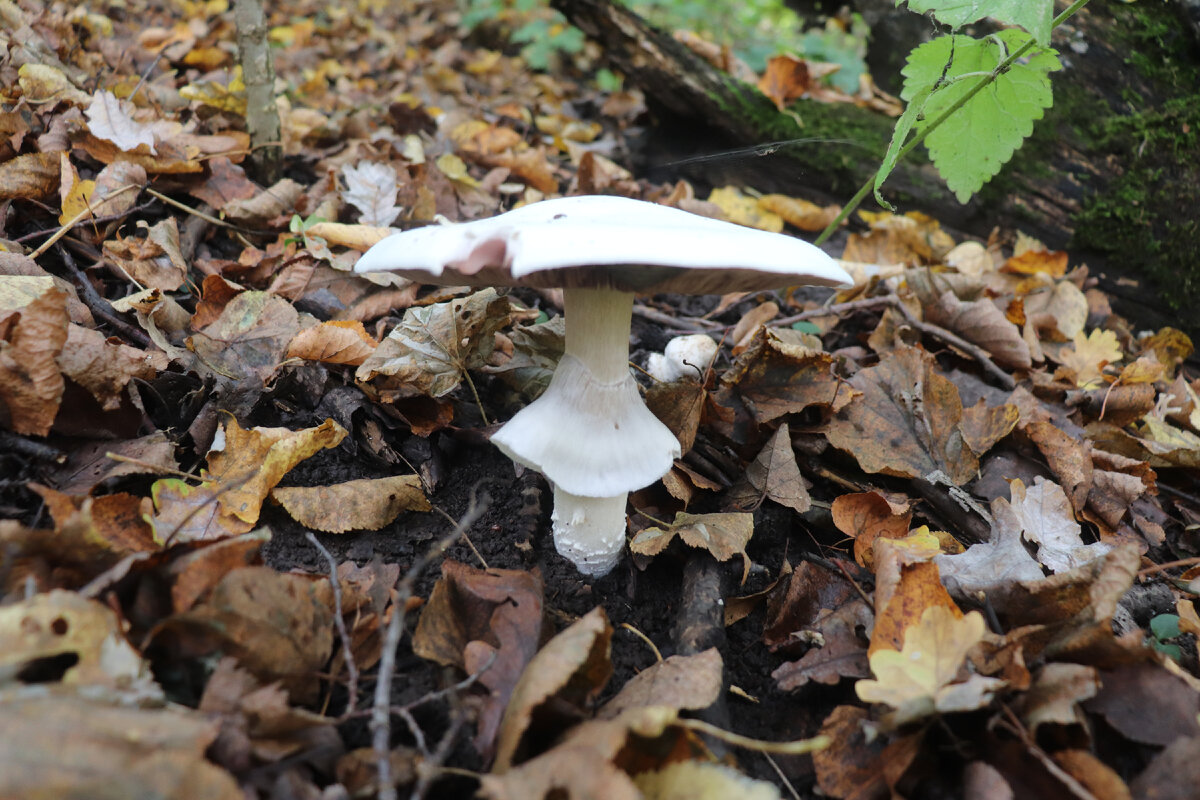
{"x": 589, "y": 433}
{"x": 683, "y": 357}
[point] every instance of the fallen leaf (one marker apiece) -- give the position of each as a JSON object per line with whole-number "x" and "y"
{"x": 991, "y": 567}
{"x": 982, "y": 323}
{"x": 1147, "y": 704}
{"x": 906, "y": 420}
{"x": 363, "y": 505}
{"x": 573, "y": 666}
{"x": 778, "y": 375}
{"x": 109, "y": 119}
{"x": 680, "y": 682}
{"x": 251, "y": 462}
{"x": 371, "y": 188}
{"x": 65, "y": 745}
{"x": 274, "y": 624}
{"x": 744, "y": 210}
{"x": 1089, "y": 355}
{"x": 249, "y": 338}
{"x": 774, "y": 475}
{"x": 722, "y": 535}
{"x": 337, "y": 342}
{"x": 32, "y": 176}
{"x": 432, "y": 348}
{"x": 1045, "y": 518}
{"x": 58, "y": 624}
{"x": 919, "y": 680}
{"x": 696, "y": 780}
{"x": 31, "y": 384}
{"x": 800, "y": 213}
{"x": 866, "y": 516}
{"x": 105, "y": 369}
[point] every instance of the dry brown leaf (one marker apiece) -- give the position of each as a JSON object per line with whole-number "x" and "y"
{"x": 478, "y": 619}
{"x": 800, "y": 213}
{"x": 774, "y": 475}
{"x": 680, "y": 682}
{"x": 31, "y": 385}
{"x": 865, "y": 516}
{"x": 337, "y": 342}
{"x": 785, "y": 79}
{"x": 367, "y": 504}
{"x": 276, "y": 625}
{"x": 1056, "y": 696}
{"x": 859, "y": 763}
{"x": 908, "y": 583}
{"x": 195, "y": 573}
{"x": 249, "y": 338}
{"x": 65, "y": 745}
{"x": 678, "y": 405}
{"x": 1147, "y": 704}
{"x": 906, "y": 420}
{"x": 33, "y": 176}
{"x": 1070, "y": 459}
{"x": 574, "y": 666}
{"x": 105, "y": 369}
{"x": 778, "y": 375}
{"x": 982, "y": 323}
{"x": 723, "y": 535}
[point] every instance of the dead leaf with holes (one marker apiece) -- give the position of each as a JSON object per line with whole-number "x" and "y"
{"x": 722, "y": 535}
{"x": 58, "y": 624}
{"x": 922, "y": 678}
{"x": 367, "y": 504}
{"x": 433, "y": 347}
{"x": 1046, "y": 520}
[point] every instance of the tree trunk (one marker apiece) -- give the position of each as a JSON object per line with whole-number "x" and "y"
{"x": 1113, "y": 171}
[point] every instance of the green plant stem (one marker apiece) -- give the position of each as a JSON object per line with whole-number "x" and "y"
{"x": 912, "y": 143}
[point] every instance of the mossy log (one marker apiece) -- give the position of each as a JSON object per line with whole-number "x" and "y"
{"x": 1112, "y": 171}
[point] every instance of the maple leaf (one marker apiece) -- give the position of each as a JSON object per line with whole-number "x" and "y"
{"x": 919, "y": 681}
{"x": 1089, "y": 355}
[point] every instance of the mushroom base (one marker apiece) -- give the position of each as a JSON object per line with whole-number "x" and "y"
{"x": 589, "y": 531}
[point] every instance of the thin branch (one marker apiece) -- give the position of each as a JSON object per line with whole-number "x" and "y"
{"x": 381, "y": 727}
{"x": 100, "y": 307}
{"x": 339, "y": 620}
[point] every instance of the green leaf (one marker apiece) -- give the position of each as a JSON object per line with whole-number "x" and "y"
{"x": 1165, "y": 626}
{"x": 1034, "y": 16}
{"x": 971, "y": 146}
{"x": 904, "y": 125}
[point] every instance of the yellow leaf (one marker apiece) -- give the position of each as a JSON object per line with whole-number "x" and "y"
{"x": 1089, "y": 355}
{"x": 920, "y": 679}
{"x": 744, "y": 210}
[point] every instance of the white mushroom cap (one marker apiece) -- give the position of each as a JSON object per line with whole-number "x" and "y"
{"x": 602, "y": 241}
{"x": 683, "y": 357}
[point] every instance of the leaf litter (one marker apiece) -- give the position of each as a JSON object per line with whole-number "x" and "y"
{"x": 983, "y": 474}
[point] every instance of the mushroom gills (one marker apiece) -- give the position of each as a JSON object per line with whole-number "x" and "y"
{"x": 589, "y": 531}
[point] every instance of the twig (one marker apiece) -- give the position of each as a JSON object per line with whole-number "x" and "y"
{"x": 99, "y": 306}
{"x": 26, "y": 447}
{"x": 78, "y": 218}
{"x": 1184, "y": 562}
{"x": 340, "y": 622}
{"x": 978, "y": 353}
{"x": 77, "y": 222}
{"x": 431, "y": 766}
{"x": 657, "y": 654}
{"x": 381, "y": 727}
{"x": 835, "y": 310}
{"x": 693, "y": 324}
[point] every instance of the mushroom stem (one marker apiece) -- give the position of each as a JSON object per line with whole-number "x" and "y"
{"x": 589, "y": 531}
{"x": 598, "y": 324}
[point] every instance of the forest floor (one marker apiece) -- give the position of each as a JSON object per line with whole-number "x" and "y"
{"x": 939, "y": 532}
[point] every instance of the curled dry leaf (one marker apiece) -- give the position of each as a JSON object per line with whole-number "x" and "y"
{"x": 778, "y": 374}
{"x": 907, "y": 584}
{"x": 31, "y": 384}
{"x": 371, "y": 188}
{"x": 1045, "y": 518}
{"x": 991, "y": 567}
{"x": 574, "y": 666}
{"x": 109, "y": 119}
{"x": 362, "y": 505}
{"x": 337, "y": 342}
{"x": 774, "y": 475}
{"x": 252, "y": 462}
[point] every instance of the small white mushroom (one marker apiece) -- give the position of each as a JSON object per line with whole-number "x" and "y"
{"x": 589, "y": 433}
{"x": 684, "y": 357}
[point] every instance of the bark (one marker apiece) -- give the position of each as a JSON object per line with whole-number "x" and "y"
{"x": 1113, "y": 171}
{"x": 258, "y": 73}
